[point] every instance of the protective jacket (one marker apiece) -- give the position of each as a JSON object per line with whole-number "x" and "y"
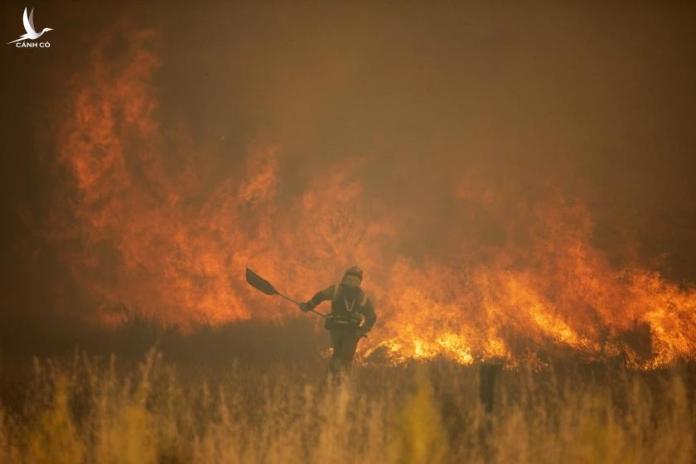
{"x": 350, "y": 307}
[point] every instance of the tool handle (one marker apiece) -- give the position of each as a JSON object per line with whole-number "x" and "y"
{"x": 297, "y": 303}
{"x": 288, "y": 298}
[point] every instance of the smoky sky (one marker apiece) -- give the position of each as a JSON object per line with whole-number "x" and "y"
{"x": 593, "y": 98}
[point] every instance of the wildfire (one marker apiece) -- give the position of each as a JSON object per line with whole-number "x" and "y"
{"x": 168, "y": 231}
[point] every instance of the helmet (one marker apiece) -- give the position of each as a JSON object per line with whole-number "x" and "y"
{"x": 354, "y": 270}
{"x": 352, "y": 277}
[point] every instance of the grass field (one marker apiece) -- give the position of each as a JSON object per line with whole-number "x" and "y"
{"x": 105, "y": 410}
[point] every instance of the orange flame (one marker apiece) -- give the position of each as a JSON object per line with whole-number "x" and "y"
{"x": 169, "y": 232}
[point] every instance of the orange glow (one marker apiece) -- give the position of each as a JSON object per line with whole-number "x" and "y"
{"x": 169, "y": 232}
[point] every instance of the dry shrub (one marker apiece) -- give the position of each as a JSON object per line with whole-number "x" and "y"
{"x": 103, "y": 411}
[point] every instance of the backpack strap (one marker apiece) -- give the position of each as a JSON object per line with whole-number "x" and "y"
{"x": 363, "y": 300}
{"x": 335, "y": 292}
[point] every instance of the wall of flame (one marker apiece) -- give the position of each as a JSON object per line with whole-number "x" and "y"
{"x": 147, "y": 218}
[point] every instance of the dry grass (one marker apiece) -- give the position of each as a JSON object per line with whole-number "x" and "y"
{"x": 87, "y": 410}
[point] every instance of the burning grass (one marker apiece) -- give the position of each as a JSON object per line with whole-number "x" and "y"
{"x": 474, "y": 260}
{"x": 101, "y": 410}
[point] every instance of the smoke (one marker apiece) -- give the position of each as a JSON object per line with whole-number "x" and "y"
{"x": 488, "y": 172}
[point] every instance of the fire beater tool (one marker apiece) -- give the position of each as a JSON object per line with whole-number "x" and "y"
{"x": 264, "y": 286}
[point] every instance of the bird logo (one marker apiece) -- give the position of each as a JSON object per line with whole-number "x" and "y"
{"x": 31, "y": 34}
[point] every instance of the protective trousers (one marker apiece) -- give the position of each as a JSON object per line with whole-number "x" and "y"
{"x": 344, "y": 342}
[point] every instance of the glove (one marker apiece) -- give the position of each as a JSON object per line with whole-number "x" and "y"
{"x": 362, "y": 332}
{"x": 305, "y": 307}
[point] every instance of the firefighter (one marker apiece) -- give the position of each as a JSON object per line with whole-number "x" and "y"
{"x": 352, "y": 317}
